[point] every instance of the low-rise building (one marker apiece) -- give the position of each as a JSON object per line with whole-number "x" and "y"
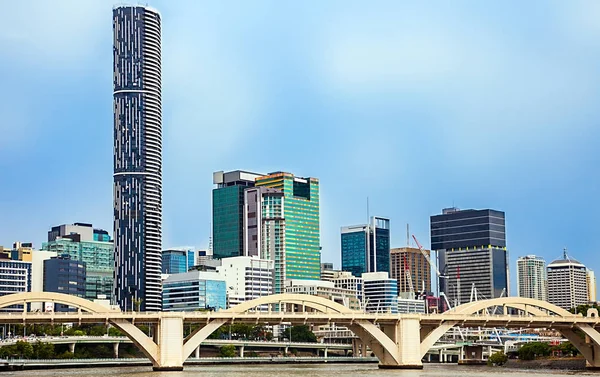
{"x": 326, "y": 289}
{"x": 380, "y": 293}
{"x": 178, "y": 260}
{"x": 15, "y": 277}
{"x": 407, "y": 305}
{"x": 246, "y": 278}
{"x": 194, "y": 290}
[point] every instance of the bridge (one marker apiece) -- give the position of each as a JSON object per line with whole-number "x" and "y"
{"x": 397, "y": 340}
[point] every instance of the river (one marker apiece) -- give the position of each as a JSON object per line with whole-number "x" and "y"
{"x": 298, "y": 370}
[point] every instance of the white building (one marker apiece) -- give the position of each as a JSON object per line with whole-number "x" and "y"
{"x": 326, "y": 289}
{"x": 246, "y": 278}
{"x": 567, "y": 283}
{"x": 409, "y": 305}
{"x": 591, "y": 284}
{"x": 37, "y": 273}
{"x": 380, "y": 293}
{"x": 345, "y": 280}
{"x": 532, "y": 280}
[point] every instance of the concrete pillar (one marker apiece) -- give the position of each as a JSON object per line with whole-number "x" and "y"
{"x": 325, "y": 354}
{"x": 428, "y": 357}
{"x": 72, "y": 347}
{"x": 363, "y": 349}
{"x": 169, "y": 333}
{"x": 440, "y": 353}
{"x": 197, "y": 353}
{"x": 242, "y": 351}
{"x": 116, "y": 350}
{"x": 285, "y": 351}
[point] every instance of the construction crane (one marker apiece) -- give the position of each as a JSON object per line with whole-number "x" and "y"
{"x": 437, "y": 271}
{"x": 408, "y": 277}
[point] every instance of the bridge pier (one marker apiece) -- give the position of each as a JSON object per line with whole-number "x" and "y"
{"x": 197, "y": 352}
{"x": 242, "y": 351}
{"x": 72, "y": 348}
{"x": 116, "y": 350}
{"x": 169, "y": 335}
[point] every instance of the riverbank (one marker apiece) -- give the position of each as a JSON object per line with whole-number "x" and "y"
{"x": 12, "y": 365}
{"x": 556, "y": 364}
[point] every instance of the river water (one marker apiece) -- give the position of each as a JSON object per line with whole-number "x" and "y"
{"x": 306, "y": 370}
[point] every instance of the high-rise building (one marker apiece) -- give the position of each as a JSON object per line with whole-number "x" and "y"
{"x": 194, "y": 290}
{"x": 178, "y": 260}
{"x": 471, "y": 250}
{"x": 289, "y": 227}
{"x": 64, "y": 275}
{"x": 15, "y": 277}
{"x": 591, "y": 284}
{"x": 246, "y": 278}
{"x": 532, "y": 281}
{"x": 93, "y": 247}
{"x": 137, "y": 156}
{"x": 380, "y": 293}
{"x": 228, "y": 212}
{"x": 410, "y": 258}
{"x": 567, "y": 283}
{"x": 263, "y": 215}
{"x": 366, "y": 248}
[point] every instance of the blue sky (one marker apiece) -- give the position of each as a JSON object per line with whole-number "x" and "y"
{"x": 417, "y": 105}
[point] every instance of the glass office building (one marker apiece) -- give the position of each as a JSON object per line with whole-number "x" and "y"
{"x": 380, "y": 293}
{"x": 366, "y": 248}
{"x": 177, "y": 261}
{"x": 228, "y": 211}
{"x": 194, "y": 290}
{"x": 64, "y": 275}
{"x": 472, "y": 255}
{"x": 137, "y": 189}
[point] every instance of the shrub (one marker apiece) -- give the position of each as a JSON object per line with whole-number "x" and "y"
{"x": 497, "y": 359}
{"x": 227, "y": 351}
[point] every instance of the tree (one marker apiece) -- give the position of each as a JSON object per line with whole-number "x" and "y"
{"x": 43, "y": 350}
{"x": 137, "y": 303}
{"x": 227, "y": 351}
{"x": 497, "y": 359}
{"x": 300, "y": 333}
{"x": 530, "y": 351}
{"x": 23, "y": 349}
{"x": 567, "y": 349}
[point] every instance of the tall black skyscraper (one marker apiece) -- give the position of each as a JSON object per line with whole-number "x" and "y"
{"x": 471, "y": 249}
{"x": 137, "y": 157}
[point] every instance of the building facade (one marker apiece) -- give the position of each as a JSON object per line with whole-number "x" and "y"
{"x": 591, "y": 284}
{"x": 380, "y": 293}
{"x": 366, "y": 248}
{"x": 289, "y": 226}
{"x": 194, "y": 290}
{"x": 15, "y": 277}
{"x": 410, "y": 258}
{"x": 325, "y": 289}
{"x": 246, "y": 278}
{"x": 137, "y": 156}
{"x": 532, "y": 280}
{"x": 228, "y": 212}
{"x": 345, "y": 280}
{"x": 567, "y": 283}
{"x": 472, "y": 255}
{"x": 178, "y": 260}
{"x": 64, "y": 275}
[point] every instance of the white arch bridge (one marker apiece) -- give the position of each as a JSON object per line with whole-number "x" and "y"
{"x": 398, "y": 340}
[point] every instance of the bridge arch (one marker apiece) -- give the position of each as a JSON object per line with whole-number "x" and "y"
{"x": 58, "y": 298}
{"x": 589, "y": 347}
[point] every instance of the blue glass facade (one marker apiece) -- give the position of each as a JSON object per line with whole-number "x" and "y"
{"x": 354, "y": 246}
{"x": 193, "y": 291}
{"x": 65, "y": 275}
{"x": 137, "y": 157}
{"x": 178, "y": 261}
{"x": 366, "y": 248}
{"x": 380, "y": 293}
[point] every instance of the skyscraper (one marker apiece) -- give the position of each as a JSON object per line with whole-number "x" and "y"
{"x": 137, "y": 156}
{"x": 228, "y": 212}
{"x": 410, "y": 258}
{"x": 532, "y": 281}
{"x": 289, "y": 227}
{"x": 567, "y": 283}
{"x": 471, "y": 250}
{"x": 366, "y": 248}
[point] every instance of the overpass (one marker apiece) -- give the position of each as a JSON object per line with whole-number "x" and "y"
{"x": 397, "y": 340}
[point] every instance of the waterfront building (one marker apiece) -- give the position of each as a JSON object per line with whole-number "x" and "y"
{"x": 92, "y": 246}
{"x": 366, "y": 248}
{"x": 15, "y": 277}
{"x": 64, "y": 275}
{"x": 228, "y": 212}
{"x": 380, "y": 293}
{"x": 193, "y": 291}
{"x": 532, "y": 281}
{"x": 591, "y": 284}
{"x": 325, "y": 289}
{"x": 287, "y": 230}
{"x": 411, "y": 305}
{"x": 472, "y": 255}
{"x": 246, "y": 278}
{"x": 137, "y": 156}
{"x": 567, "y": 282}
{"x": 412, "y": 259}
{"x": 178, "y": 260}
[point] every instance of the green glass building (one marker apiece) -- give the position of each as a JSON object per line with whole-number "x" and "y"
{"x": 228, "y": 212}
{"x": 291, "y": 227}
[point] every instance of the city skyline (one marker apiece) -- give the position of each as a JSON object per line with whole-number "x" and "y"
{"x": 527, "y": 156}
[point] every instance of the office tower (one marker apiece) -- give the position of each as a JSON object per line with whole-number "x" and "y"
{"x": 228, "y": 210}
{"x": 64, "y": 275}
{"x": 246, "y": 278}
{"x": 591, "y": 284}
{"x": 289, "y": 231}
{"x": 567, "y": 283}
{"x": 410, "y": 258}
{"x": 178, "y": 260}
{"x": 37, "y": 273}
{"x": 82, "y": 242}
{"x": 366, "y": 248}
{"x": 137, "y": 156}
{"x": 262, "y": 211}
{"x": 532, "y": 280}
{"x": 15, "y": 277}
{"x": 380, "y": 293}
{"x": 193, "y": 291}
{"x": 472, "y": 256}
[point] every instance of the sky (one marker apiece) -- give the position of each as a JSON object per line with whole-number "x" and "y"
{"x": 416, "y": 105}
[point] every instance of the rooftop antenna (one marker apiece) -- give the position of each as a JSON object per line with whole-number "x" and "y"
{"x": 565, "y": 257}
{"x": 407, "y": 235}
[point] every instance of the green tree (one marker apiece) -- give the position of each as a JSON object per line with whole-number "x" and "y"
{"x": 530, "y": 351}
{"x": 43, "y": 350}
{"x": 300, "y": 333}
{"x": 497, "y": 359}
{"x": 23, "y": 349}
{"x": 567, "y": 349}
{"x": 227, "y": 351}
